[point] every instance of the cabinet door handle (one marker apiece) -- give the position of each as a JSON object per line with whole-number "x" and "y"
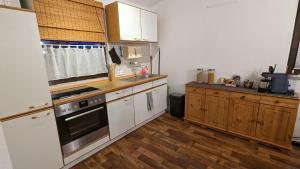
{"x": 83, "y": 114}
{"x": 36, "y": 107}
{"x": 243, "y": 97}
{"x": 39, "y": 117}
{"x": 127, "y": 100}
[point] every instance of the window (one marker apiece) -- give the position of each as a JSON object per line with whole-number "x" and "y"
{"x": 69, "y": 62}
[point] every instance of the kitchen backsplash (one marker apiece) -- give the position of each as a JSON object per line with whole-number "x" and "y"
{"x": 129, "y": 67}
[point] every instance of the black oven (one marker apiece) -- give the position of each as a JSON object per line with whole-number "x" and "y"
{"x": 81, "y": 123}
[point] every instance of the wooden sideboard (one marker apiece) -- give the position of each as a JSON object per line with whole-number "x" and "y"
{"x": 267, "y": 118}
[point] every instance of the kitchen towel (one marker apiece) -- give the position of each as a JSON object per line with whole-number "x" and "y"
{"x": 150, "y": 105}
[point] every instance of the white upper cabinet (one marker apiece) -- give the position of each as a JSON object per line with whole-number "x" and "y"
{"x": 149, "y": 26}
{"x": 130, "y": 22}
{"x": 24, "y": 83}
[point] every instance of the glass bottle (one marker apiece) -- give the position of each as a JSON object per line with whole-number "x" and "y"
{"x": 211, "y": 76}
{"x": 200, "y": 75}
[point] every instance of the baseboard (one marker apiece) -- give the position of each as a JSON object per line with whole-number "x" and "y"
{"x": 85, "y": 156}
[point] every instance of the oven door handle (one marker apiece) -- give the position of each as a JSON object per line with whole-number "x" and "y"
{"x": 83, "y": 114}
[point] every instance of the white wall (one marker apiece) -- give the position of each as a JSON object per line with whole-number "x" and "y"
{"x": 239, "y": 37}
{"x": 5, "y": 162}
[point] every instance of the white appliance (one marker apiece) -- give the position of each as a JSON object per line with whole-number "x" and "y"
{"x": 295, "y": 82}
{"x": 25, "y": 88}
{"x": 12, "y": 3}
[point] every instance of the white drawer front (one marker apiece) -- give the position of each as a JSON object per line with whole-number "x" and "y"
{"x": 142, "y": 87}
{"x": 160, "y": 82}
{"x": 118, "y": 94}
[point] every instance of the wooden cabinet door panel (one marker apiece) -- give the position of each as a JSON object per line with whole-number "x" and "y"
{"x": 195, "y": 107}
{"x": 275, "y": 124}
{"x": 242, "y": 116}
{"x": 216, "y": 111}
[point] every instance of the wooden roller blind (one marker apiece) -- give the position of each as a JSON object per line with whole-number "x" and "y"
{"x": 70, "y": 20}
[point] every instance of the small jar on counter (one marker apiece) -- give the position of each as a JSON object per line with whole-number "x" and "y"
{"x": 211, "y": 76}
{"x": 200, "y": 75}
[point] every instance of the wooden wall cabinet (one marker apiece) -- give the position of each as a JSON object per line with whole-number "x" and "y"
{"x": 129, "y": 23}
{"x": 269, "y": 119}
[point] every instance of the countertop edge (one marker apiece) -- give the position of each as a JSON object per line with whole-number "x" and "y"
{"x": 239, "y": 90}
{"x": 104, "y": 91}
{"x": 18, "y": 115}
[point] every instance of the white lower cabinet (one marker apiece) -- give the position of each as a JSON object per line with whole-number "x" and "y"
{"x": 141, "y": 109}
{"x": 120, "y": 116}
{"x": 160, "y": 95}
{"x": 33, "y": 141}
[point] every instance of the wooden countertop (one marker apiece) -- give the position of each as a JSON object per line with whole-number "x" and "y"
{"x": 104, "y": 86}
{"x": 240, "y": 90}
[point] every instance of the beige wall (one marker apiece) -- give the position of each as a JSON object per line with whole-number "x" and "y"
{"x": 233, "y": 36}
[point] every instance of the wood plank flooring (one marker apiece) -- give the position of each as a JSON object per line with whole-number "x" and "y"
{"x": 168, "y": 142}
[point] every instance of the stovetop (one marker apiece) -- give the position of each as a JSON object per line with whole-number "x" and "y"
{"x": 74, "y": 92}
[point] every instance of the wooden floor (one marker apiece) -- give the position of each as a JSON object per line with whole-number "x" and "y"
{"x": 169, "y": 143}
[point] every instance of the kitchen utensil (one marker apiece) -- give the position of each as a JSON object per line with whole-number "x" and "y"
{"x": 114, "y": 56}
{"x": 248, "y": 84}
{"x": 272, "y": 69}
{"x": 112, "y": 72}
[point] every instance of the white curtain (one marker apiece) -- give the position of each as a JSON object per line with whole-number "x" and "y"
{"x": 64, "y": 62}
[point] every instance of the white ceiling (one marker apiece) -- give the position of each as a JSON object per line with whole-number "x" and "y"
{"x": 145, "y": 3}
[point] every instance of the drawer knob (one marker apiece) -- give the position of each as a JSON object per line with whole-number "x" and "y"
{"x": 243, "y": 97}
{"x": 277, "y": 102}
{"x": 216, "y": 92}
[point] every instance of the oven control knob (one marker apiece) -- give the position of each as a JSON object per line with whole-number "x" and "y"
{"x": 75, "y": 107}
{"x": 91, "y": 102}
{"x": 95, "y": 100}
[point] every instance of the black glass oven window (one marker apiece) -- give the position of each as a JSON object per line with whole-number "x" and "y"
{"x": 84, "y": 124}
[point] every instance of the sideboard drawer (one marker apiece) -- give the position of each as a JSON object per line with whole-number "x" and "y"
{"x": 195, "y": 90}
{"x": 279, "y": 102}
{"x": 212, "y": 92}
{"x": 245, "y": 97}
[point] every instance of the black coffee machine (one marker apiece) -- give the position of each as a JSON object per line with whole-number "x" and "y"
{"x": 274, "y": 82}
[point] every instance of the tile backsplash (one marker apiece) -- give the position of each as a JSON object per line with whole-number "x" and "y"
{"x": 129, "y": 67}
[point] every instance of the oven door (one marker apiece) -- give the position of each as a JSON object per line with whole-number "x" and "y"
{"x": 79, "y": 124}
